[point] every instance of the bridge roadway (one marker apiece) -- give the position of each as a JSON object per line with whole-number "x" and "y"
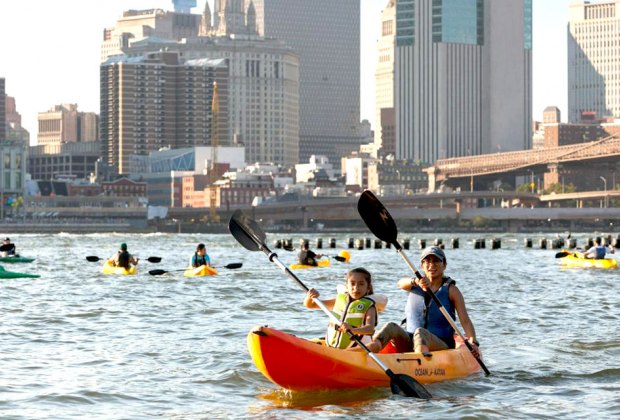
{"x": 433, "y": 206}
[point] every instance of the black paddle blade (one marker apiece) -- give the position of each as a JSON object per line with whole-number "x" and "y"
{"x": 92, "y": 258}
{"x": 377, "y": 218}
{"x": 154, "y": 259}
{"x": 408, "y": 387}
{"x": 339, "y": 258}
{"x": 157, "y": 272}
{"x": 233, "y": 265}
{"x": 246, "y": 231}
{"x": 562, "y": 254}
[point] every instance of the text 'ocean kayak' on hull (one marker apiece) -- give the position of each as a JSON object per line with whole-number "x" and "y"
{"x": 298, "y": 364}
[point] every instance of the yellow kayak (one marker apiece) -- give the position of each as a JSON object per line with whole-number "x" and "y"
{"x": 321, "y": 263}
{"x": 109, "y": 268}
{"x": 203, "y": 270}
{"x": 303, "y": 365}
{"x": 575, "y": 260}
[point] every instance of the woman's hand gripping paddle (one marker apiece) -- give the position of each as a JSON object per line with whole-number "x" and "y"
{"x": 252, "y": 237}
{"x": 382, "y": 225}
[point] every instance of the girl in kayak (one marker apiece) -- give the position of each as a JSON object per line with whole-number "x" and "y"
{"x": 355, "y": 309}
{"x": 200, "y": 257}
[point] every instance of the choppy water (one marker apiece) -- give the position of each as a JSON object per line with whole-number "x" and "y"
{"x": 78, "y": 344}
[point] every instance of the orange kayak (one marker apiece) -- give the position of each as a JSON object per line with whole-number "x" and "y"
{"x": 298, "y": 364}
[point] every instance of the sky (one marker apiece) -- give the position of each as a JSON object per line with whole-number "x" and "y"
{"x": 50, "y": 52}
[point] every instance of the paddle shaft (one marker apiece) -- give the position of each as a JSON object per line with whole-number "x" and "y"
{"x": 443, "y": 310}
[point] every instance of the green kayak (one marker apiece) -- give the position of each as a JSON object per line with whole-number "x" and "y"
{"x": 15, "y": 259}
{"x": 4, "y": 274}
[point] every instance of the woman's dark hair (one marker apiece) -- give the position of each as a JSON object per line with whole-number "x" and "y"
{"x": 366, "y": 273}
{"x": 200, "y": 247}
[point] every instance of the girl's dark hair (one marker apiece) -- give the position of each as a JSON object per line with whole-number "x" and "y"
{"x": 367, "y": 274}
{"x": 200, "y": 246}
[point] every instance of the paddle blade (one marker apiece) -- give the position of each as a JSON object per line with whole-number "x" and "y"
{"x": 339, "y": 258}
{"x": 408, "y": 387}
{"x": 377, "y": 218}
{"x": 246, "y": 231}
{"x": 157, "y": 272}
{"x": 92, "y": 258}
{"x": 154, "y": 259}
{"x": 233, "y": 265}
{"x": 562, "y": 254}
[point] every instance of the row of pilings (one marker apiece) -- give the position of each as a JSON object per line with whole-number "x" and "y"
{"x": 454, "y": 243}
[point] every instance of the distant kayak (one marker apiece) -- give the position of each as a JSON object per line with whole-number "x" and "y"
{"x": 203, "y": 270}
{"x": 109, "y": 268}
{"x": 322, "y": 263}
{"x": 4, "y": 274}
{"x": 15, "y": 259}
{"x": 573, "y": 260}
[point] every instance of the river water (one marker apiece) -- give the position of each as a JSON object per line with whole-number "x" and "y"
{"x": 79, "y": 344}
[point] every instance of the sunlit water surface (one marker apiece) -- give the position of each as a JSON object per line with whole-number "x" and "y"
{"x": 79, "y": 344}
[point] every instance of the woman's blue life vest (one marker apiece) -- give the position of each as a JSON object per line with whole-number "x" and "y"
{"x": 422, "y": 312}
{"x": 198, "y": 260}
{"x": 351, "y": 312}
{"x": 600, "y": 252}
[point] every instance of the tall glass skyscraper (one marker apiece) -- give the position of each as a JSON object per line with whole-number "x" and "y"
{"x": 463, "y": 77}
{"x": 326, "y": 36}
{"x": 593, "y": 56}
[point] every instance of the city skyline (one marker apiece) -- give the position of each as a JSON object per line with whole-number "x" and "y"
{"x": 42, "y": 69}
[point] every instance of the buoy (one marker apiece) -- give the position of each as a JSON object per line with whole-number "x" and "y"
{"x": 345, "y": 254}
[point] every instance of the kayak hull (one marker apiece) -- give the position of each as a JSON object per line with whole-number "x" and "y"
{"x": 11, "y": 260}
{"x": 298, "y": 364}
{"x": 575, "y": 261}
{"x": 4, "y": 274}
{"x": 203, "y": 270}
{"x": 109, "y": 268}
{"x": 321, "y": 263}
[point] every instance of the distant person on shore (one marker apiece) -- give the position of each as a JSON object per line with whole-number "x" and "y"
{"x": 598, "y": 251}
{"x": 306, "y": 256}
{"x": 427, "y": 329}
{"x": 355, "y": 309}
{"x": 123, "y": 258}
{"x": 200, "y": 257}
{"x": 7, "y": 248}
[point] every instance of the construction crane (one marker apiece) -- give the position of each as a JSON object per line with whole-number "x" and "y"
{"x": 215, "y": 109}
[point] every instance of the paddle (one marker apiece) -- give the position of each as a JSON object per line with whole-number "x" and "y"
{"x": 382, "y": 225}
{"x": 336, "y": 257}
{"x": 230, "y": 266}
{"x": 93, "y": 258}
{"x": 563, "y": 254}
{"x": 252, "y": 237}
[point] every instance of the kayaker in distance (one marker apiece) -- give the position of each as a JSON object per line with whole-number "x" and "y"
{"x": 200, "y": 257}
{"x": 427, "y": 329}
{"x": 123, "y": 258}
{"x": 8, "y": 248}
{"x": 354, "y": 308}
{"x": 306, "y": 256}
{"x": 598, "y": 251}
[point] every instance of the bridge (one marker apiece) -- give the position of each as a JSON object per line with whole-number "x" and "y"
{"x": 522, "y": 162}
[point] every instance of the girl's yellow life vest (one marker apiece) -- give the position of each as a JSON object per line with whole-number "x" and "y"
{"x": 351, "y": 312}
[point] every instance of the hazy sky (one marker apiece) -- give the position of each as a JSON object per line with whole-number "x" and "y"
{"x": 51, "y": 57}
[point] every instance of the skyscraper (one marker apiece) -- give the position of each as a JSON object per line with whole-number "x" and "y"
{"x": 326, "y": 35}
{"x": 384, "y": 80}
{"x": 3, "y": 132}
{"x": 463, "y": 77}
{"x": 593, "y": 55}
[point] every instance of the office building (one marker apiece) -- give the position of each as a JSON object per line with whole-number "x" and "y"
{"x": 263, "y": 88}
{"x": 326, "y": 36}
{"x": 384, "y": 81}
{"x": 158, "y": 100}
{"x": 3, "y": 131}
{"x": 593, "y": 56}
{"x": 463, "y": 78}
{"x": 65, "y": 124}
